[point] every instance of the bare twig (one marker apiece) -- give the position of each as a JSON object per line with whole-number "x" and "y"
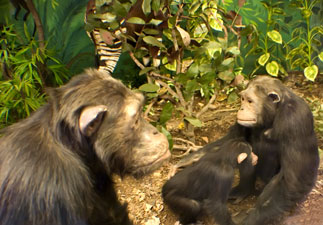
{"x": 184, "y": 140}
{"x": 206, "y": 107}
{"x": 177, "y": 94}
{"x": 188, "y": 146}
{"x": 188, "y": 150}
{"x": 149, "y": 107}
{"x": 141, "y": 66}
{"x": 173, "y": 93}
{"x": 223, "y": 27}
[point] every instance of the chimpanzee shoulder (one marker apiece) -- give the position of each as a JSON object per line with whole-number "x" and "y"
{"x": 57, "y": 165}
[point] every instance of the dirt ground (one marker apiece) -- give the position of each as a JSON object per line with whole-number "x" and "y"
{"x": 145, "y": 204}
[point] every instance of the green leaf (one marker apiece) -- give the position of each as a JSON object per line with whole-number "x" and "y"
{"x": 227, "y": 61}
{"x": 109, "y": 17}
{"x": 233, "y": 97}
{"x": 155, "y": 5}
{"x": 321, "y": 56}
{"x": 194, "y": 121}
{"x": 168, "y": 136}
{"x": 166, "y": 113}
{"x": 155, "y": 22}
{"x": 311, "y": 72}
{"x": 150, "y": 31}
{"x": 272, "y": 68}
{"x": 194, "y": 7}
{"x": 136, "y": 20}
{"x": 149, "y": 88}
{"x": 146, "y": 70}
{"x": 192, "y": 86}
{"x": 275, "y": 36}
{"x": 212, "y": 47}
{"x": 227, "y": 76}
{"x": 263, "y": 59}
{"x": 168, "y": 65}
{"x": 234, "y": 50}
{"x": 153, "y": 41}
{"x": 26, "y": 31}
{"x": 184, "y": 35}
{"x": 146, "y": 6}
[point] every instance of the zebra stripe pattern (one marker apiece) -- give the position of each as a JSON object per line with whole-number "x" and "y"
{"x": 108, "y": 54}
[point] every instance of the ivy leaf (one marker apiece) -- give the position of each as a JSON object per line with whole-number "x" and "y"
{"x": 321, "y": 56}
{"x": 311, "y": 72}
{"x": 146, "y": 6}
{"x": 212, "y": 47}
{"x": 234, "y": 50}
{"x": 227, "y": 61}
{"x": 194, "y": 121}
{"x": 136, "y": 20}
{"x": 184, "y": 35}
{"x": 149, "y": 88}
{"x": 272, "y": 68}
{"x": 275, "y": 36}
{"x": 263, "y": 59}
{"x": 153, "y": 41}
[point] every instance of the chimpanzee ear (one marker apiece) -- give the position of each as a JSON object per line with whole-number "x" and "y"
{"x": 91, "y": 118}
{"x": 274, "y": 96}
{"x": 241, "y": 157}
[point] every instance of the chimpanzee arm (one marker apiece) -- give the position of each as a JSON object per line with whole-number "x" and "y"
{"x": 270, "y": 203}
{"x": 247, "y": 181}
{"x": 298, "y": 157}
{"x": 235, "y": 131}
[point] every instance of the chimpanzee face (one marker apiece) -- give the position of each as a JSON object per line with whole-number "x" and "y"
{"x": 112, "y": 119}
{"x": 258, "y": 103}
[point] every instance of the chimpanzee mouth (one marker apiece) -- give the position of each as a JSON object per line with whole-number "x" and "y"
{"x": 163, "y": 157}
{"x": 151, "y": 166}
{"x": 247, "y": 123}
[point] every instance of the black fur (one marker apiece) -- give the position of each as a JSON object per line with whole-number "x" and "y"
{"x": 204, "y": 187}
{"x": 286, "y": 146}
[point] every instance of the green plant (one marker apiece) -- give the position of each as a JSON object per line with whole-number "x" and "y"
{"x": 268, "y": 46}
{"x": 306, "y": 38}
{"x": 183, "y": 47}
{"x": 21, "y": 77}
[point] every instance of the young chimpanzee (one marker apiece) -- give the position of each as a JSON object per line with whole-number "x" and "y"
{"x": 204, "y": 187}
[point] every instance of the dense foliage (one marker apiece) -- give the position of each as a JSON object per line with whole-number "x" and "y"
{"x": 186, "y": 50}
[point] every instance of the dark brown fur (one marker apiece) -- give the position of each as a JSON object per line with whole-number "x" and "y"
{"x": 51, "y": 173}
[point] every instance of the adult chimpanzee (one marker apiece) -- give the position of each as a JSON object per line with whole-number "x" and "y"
{"x": 279, "y": 127}
{"x": 204, "y": 187}
{"x": 56, "y": 165}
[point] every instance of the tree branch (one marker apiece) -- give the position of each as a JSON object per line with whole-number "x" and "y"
{"x": 173, "y": 93}
{"x": 38, "y": 23}
{"x": 206, "y": 107}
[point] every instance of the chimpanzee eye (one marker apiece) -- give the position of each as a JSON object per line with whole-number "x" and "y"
{"x": 242, "y": 98}
{"x": 250, "y": 101}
